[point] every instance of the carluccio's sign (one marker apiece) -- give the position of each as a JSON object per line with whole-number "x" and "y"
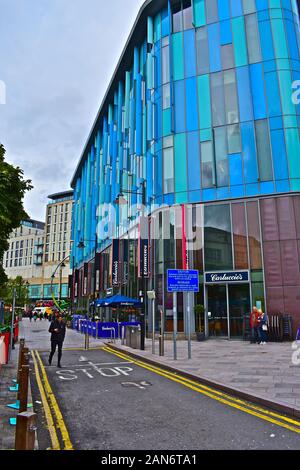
{"x": 227, "y": 277}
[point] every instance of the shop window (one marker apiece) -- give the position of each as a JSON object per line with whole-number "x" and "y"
{"x": 239, "y": 236}
{"x": 217, "y": 237}
{"x": 254, "y": 235}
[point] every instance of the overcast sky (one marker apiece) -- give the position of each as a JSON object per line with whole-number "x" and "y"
{"x": 56, "y": 60}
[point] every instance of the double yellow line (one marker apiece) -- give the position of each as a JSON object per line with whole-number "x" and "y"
{"x": 239, "y": 404}
{"x": 55, "y": 421}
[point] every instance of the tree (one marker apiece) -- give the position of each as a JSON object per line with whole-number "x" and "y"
{"x": 12, "y": 190}
{"x": 6, "y": 291}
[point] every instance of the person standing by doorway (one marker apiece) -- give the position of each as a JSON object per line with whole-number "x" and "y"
{"x": 254, "y": 327}
{"x": 58, "y": 333}
{"x": 263, "y": 327}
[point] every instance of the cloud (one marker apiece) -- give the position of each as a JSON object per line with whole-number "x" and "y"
{"x": 57, "y": 58}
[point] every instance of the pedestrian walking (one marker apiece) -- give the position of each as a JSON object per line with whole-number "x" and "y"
{"x": 263, "y": 326}
{"x": 35, "y": 316}
{"x": 58, "y": 332}
{"x": 254, "y": 326}
{"x": 30, "y": 315}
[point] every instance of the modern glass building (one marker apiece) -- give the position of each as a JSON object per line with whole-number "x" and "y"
{"x": 199, "y": 123}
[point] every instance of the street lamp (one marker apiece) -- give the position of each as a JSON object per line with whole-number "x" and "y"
{"x": 61, "y": 264}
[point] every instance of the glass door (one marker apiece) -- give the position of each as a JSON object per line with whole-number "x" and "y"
{"x": 239, "y": 305}
{"x": 217, "y": 311}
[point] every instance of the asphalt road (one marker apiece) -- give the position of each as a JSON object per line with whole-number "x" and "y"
{"x": 108, "y": 403}
{"x": 102, "y": 401}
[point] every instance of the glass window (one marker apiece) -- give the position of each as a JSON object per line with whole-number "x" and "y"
{"x": 177, "y": 18}
{"x": 239, "y": 236}
{"x": 231, "y": 101}
{"x": 249, "y": 6}
{"x": 165, "y": 65}
{"x": 166, "y": 96}
{"x": 221, "y": 156}
{"x": 187, "y": 14}
{"x": 207, "y": 165}
{"x": 168, "y": 162}
{"x": 263, "y": 150}
{"x": 217, "y": 237}
{"x": 234, "y": 139}
{"x": 217, "y": 94}
{"x": 212, "y": 11}
{"x": 202, "y": 51}
{"x": 254, "y": 235}
{"x": 253, "y": 39}
{"x": 227, "y": 56}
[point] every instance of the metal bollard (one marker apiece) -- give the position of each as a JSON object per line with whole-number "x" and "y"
{"x": 161, "y": 345}
{"x": 25, "y": 431}
{"x": 23, "y": 388}
{"x": 22, "y": 345}
{"x": 24, "y": 362}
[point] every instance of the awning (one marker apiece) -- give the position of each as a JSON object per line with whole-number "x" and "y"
{"x": 118, "y": 301}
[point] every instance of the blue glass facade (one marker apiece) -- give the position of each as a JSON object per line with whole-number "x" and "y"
{"x": 200, "y": 111}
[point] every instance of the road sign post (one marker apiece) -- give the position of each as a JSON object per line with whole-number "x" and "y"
{"x": 183, "y": 280}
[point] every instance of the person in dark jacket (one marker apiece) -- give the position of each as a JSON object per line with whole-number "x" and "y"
{"x": 58, "y": 332}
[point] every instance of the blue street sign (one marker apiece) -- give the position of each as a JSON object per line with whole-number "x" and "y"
{"x": 180, "y": 280}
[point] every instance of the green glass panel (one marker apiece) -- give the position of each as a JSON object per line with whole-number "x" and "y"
{"x": 295, "y": 185}
{"x": 281, "y": 50}
{"x": 178, "y": 63}
{"x": 293, "y": 151}
{"x": 258, "y": 294}
{"x": 167, "y": 122}
{"x": 204, "y": 102}
{"x": 180, "y": 163}
{"x": 275, "y": 13}
{"x": 157, "y": 28}
{"x": 290, "y": 121}
{"x": 199, "y": 13}
{"x": 274, "y": 3}
{"x": 257, "y": 276}
{"x": 205, "y": 135}
{"x": 239, "y": 40}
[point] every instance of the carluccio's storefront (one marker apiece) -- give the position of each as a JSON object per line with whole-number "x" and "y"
{"x": 247, "y": 253}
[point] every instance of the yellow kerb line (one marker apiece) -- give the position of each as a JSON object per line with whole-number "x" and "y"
{"x": 57, "y": 413}
{"x": 234, "y": 403}
{"x": 49, "y": 419}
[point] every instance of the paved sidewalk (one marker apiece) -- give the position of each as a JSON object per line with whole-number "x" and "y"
{"x": 8, "y": 372}
{"x": 264, "y": 373}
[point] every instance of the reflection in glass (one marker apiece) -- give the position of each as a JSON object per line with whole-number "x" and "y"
{"x": 217, "y": 237}
{"x": 202, "y": 51}
{"x": 239, "y": 236}
{"x": 254, "y": 235}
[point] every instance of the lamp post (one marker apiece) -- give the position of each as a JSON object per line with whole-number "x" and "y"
{"x": 52, "y": 279}
{"x": 121, "y": 200}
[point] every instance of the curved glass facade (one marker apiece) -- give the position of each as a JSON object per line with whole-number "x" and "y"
{"x": 203, "y": 114}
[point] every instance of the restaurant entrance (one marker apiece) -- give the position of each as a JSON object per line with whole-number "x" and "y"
{"x": 227, "y": 305}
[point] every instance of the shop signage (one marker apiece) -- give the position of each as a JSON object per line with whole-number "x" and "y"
{"x": 115, "y": 263}
{"x": 144, "y": 258}
{"x": 182, "y": 280}
{"x": 227, "y": 277}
